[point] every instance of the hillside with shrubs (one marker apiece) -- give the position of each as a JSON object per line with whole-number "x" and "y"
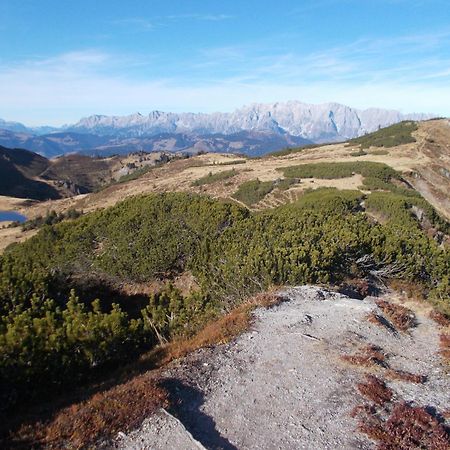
{"x": 53, "y": 338}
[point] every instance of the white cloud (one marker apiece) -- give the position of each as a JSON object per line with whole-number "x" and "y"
{"x": 378, "y": 73}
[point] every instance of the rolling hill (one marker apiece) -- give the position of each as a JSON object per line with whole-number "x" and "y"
{"x": 19, "y": 170}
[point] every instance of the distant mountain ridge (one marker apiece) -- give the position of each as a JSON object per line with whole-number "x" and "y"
{"x": 254, "y": 130}
{"x": 318, "y": 123}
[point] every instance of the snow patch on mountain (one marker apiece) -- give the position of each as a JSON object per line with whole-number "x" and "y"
{"x": 319, "y": 123}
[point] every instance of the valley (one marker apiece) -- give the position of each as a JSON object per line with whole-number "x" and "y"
{"x": 423, "y": 164}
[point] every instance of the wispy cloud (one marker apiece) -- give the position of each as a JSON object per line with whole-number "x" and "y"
{"x": 152, "y": 23}
{"x": 143, "y": 24}
{"x": 205, "y": 17}
{"x": 364, "y": 73}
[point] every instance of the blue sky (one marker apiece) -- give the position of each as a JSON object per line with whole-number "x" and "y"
{"x": 61, "y": 60}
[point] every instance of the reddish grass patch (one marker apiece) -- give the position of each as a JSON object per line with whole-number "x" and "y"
{"x": 406, "y": 428}
{"x": 439, "y": 318}
{"x": 375, "y": 390}
{"x": 372, "y": 356}
{"x": 378, "y": 320}
{"x": 374, "y": 318}
{"x": 121, "y": 408}
{"x": 445, "y": 347}
{"x": 403, "y": 318}
{"x": 369, "y": 356}
{"x": 405, "y": 376}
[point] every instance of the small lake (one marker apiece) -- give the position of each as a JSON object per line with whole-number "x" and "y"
{"x": 11, "y": 216}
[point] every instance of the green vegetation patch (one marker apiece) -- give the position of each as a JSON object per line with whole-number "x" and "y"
{"x": 231, "y": 163}
{"x": 378, "y": 152}
{"x": 358, "y": 153}
{"x": 51, "y": 218}
{"x": 215, "y": 177}
{"x": 331, "y": 199}
{"x": 251, "y": 192}
{"x": 52, "y": 339}
{"x": 340, "y": 170}
{"x": 292, "y": 150}
{"x": 285, "y": 183}
{"x": 398, "y": 134}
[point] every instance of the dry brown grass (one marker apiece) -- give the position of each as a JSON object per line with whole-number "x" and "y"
{"x": 121, "y": 408}
{"x": 402, "y": 318}
{"x": 406, "y": 428}
{"x": 373, "y": 357}
{"x": 405, "y": 376}
{"x": 439, "y": 318}
{"x": 369, "y": 356}
{"x": 221, "y": 330}
{"x": 378, "y": 320}
{"x": 445, "y": 347}
{"x": 412, "y": 291}
{"x": 375, "y": 390}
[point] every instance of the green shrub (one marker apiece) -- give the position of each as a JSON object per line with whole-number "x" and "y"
{"x": 340, "y": 170}
{"x": 51, "y": 218}
{"x": 47, "y": 345}
{"x": 214, "y": 178}
{"x": 285, "y": 183}
{"x": 398, "y": 134}
{"x": 290, "y": 150}
{"x": 358, "y": 153}
{"x": 253, "y": 191}
{"x": 232, "y": 163}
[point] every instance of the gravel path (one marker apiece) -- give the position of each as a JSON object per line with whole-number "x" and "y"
{"x": 283, "y": 385}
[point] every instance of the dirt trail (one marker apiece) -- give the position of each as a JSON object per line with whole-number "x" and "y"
{"x": 284, "y": 385}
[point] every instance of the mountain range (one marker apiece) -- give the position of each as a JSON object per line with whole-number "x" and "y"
{"x": 253, "y": 130}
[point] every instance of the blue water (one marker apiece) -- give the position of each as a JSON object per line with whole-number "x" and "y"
{"x": 7, "y": 216}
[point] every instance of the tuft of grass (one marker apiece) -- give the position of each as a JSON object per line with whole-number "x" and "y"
{"x": 253, "y": 191}
{"x": 376, "y": 319}
{"x": 402, "y": 375}
{"x": 375, "y": 390}
{"x": 440, "y": 318}
{"x": 373, "y": 357}
{"x": 407, "y": 427}
{"x": 214, "y": 178}
{"x": 403, "y": 318}
{"x": 369, "y": 356}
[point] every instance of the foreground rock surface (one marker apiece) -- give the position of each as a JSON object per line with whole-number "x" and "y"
{"x": 284, "y": 385}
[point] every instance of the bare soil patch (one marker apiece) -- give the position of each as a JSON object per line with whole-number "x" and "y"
{"x": 283, "y": 384}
